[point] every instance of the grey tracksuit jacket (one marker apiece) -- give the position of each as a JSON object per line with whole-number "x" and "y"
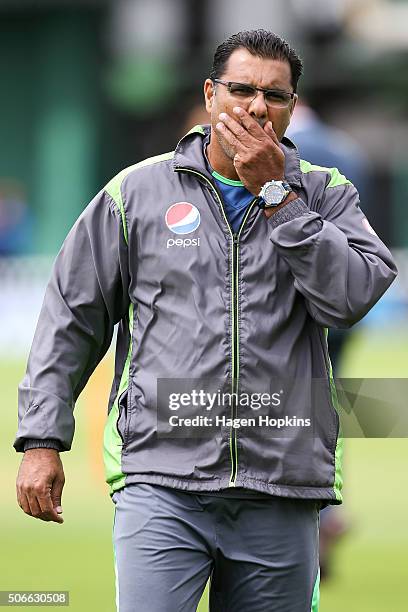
{"x": 154, "y": 252}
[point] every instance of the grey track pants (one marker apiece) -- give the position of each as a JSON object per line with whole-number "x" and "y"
{"x": 261, "y": 554}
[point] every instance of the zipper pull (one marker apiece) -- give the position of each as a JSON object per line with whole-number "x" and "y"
{"x": 235, "y": 239}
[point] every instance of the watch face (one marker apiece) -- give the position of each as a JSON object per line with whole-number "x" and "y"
{"x": 274, "y": 194}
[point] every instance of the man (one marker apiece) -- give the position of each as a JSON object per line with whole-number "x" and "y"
{"x": 224, "y": 260}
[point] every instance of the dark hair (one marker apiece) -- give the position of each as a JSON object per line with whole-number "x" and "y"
{"x": 258, "y": 42}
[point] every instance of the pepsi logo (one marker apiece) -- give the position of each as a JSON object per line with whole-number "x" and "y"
{"x": 182, "y": 218}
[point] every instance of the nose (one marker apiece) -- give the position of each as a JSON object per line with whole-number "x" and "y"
{"x": 257, "y": 107}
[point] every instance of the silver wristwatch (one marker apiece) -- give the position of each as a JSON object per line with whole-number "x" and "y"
{"x": 273, "y": 193}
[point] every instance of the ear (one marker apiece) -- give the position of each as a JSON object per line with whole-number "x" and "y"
{"x": 208, "y": 94}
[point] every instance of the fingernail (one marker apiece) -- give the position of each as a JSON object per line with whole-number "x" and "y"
{"x": 237, "y": 109}
{"x": 219, "y": 126}
{"x": 223, "y": 116}
{"x": 58, "y": 509}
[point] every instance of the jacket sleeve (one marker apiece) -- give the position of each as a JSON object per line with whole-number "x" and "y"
{"x": 86, "y": 295}
{"x": 339, "y": 264}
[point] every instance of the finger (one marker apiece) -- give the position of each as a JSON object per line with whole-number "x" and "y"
{"x": 35, "y": 509}
{"x": 45, "y": 502}
{"x": 237, "y": 129}
{"x": 56, "y": 494}
{"x": 249, "y": 123}
{"x": 229, "y": 136}
{"x": 236, "y": 161}
{"x": 23, "y": 503}
{"x": 271, "y": 132}
{"x": 18, "y": 494}
{"x": 48, "y": 511}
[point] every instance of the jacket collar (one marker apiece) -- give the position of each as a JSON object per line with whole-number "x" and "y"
{"x": 189, "y": 155}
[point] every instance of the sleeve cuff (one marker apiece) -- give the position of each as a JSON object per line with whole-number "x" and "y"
{"x": 292, "y": 210}
{"x": 49, "y": 443}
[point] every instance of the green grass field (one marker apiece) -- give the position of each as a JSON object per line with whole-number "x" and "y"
{"x": 371, "y": 564}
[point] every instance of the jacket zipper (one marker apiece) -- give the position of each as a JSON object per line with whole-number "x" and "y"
{"x": 235, "y": 323}
{"x": 235, "y": 373}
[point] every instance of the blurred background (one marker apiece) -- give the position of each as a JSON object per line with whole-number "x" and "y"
{"x": 92, "y": 86}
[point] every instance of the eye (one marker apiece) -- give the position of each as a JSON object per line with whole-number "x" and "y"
{"x": 239, "y": 89}
{"x": 277, "y": 96}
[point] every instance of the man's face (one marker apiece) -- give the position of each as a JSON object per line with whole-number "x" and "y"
{"x": 243, "y": 67}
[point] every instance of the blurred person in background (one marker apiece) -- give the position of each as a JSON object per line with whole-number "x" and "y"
{"x": 223, "y": 260}
{"x": 16, "y": 220}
